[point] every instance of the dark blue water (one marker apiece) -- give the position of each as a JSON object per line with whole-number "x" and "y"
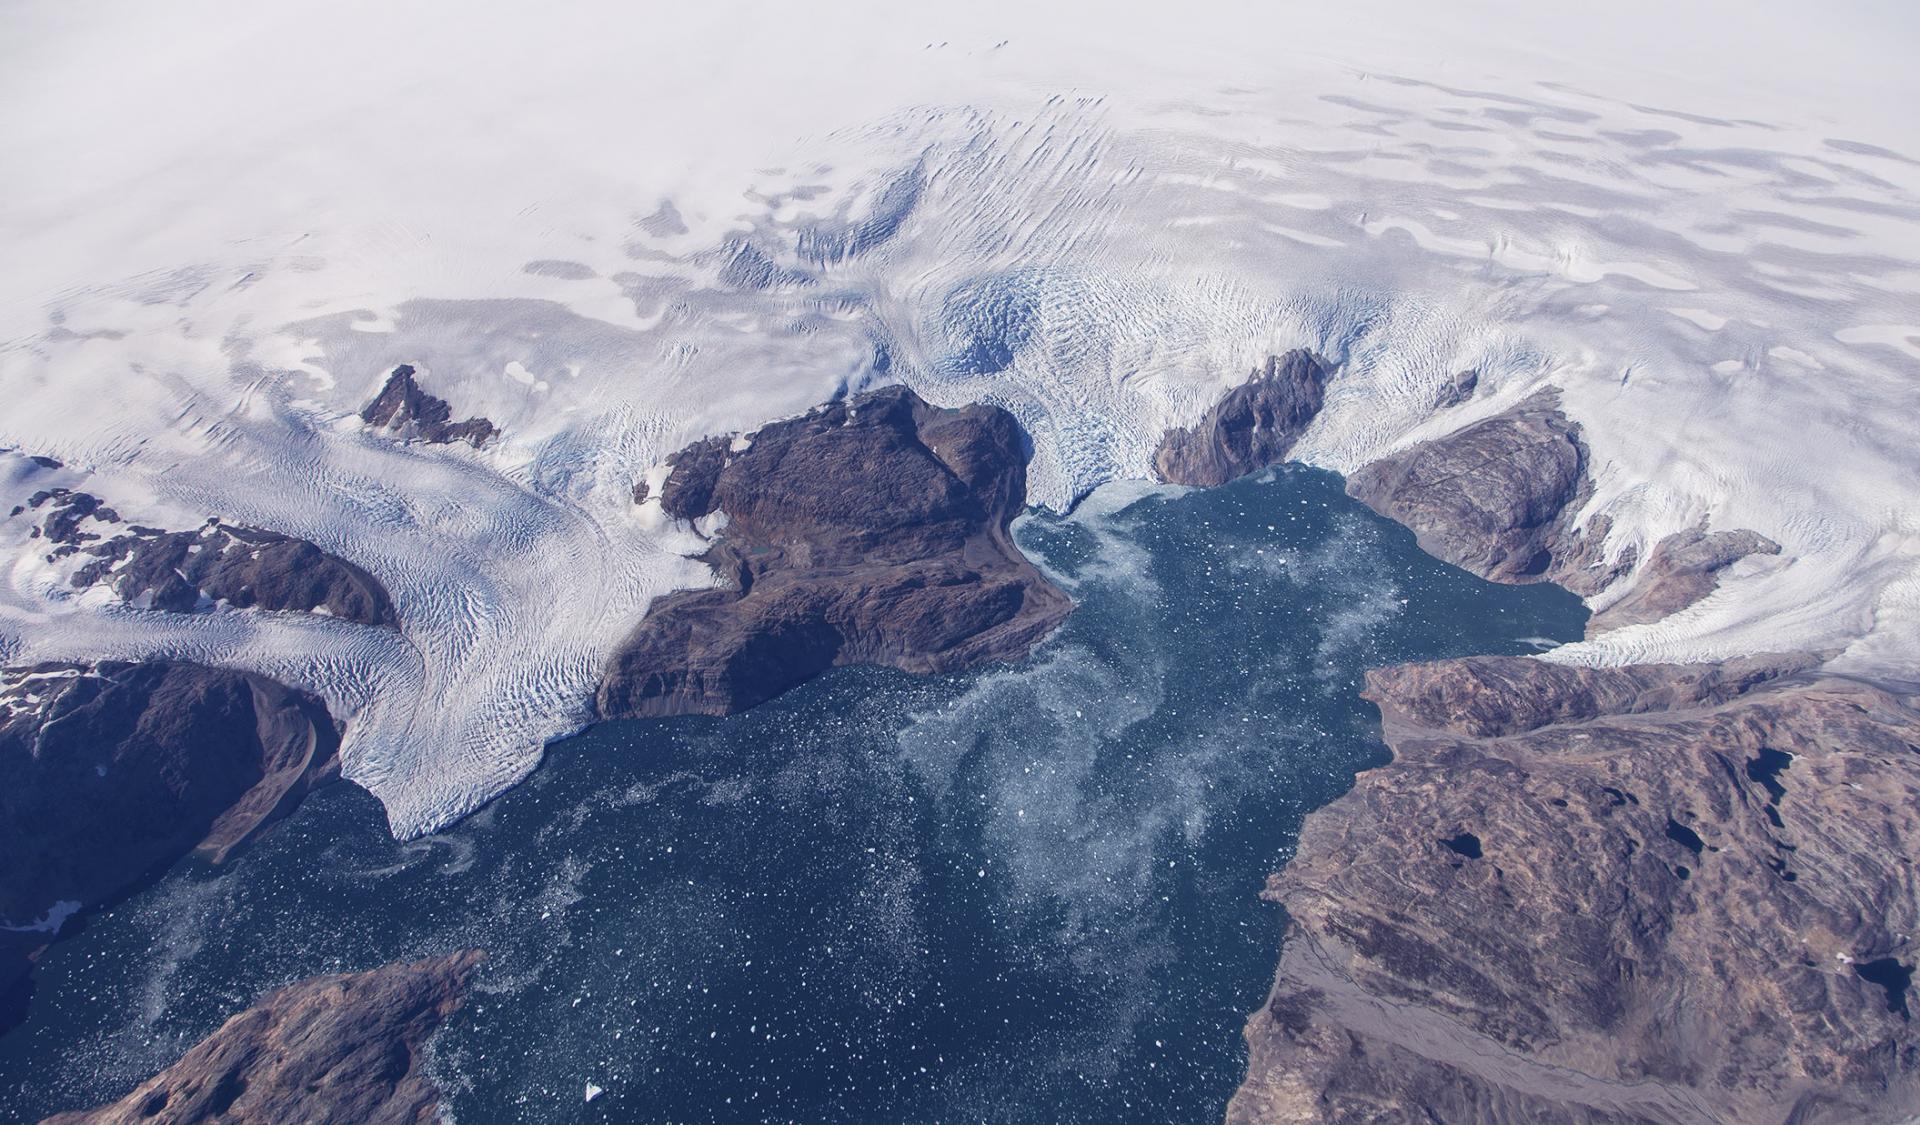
{"x": 1027, "y": 893}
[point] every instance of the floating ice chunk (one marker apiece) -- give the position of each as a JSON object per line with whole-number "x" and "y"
{"x": 50, "y": 923}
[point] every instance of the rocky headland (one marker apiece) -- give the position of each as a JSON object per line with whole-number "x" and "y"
{"x": 1500, "y": 497}
{"x": 1503, "y": 498}
{"x": 114, "y": 770}
{"x": 872, "y": 530}
{"x": 344, "y": 1048}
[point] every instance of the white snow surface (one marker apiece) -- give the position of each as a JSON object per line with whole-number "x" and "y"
{"x": 615, "y": 228}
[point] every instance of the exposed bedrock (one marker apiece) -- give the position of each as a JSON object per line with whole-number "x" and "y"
{"x": 344, "y": 1048}
{"x": 189, "y": 571}
{"x": 1253, "y": 427}
{"x": 1502, "y": 498}
{"x": 1499, "y": 498}
{"x": 403, "y": 409}
{"x": 870, "y": 531}
{"x": 114, "y": 771}
{"x": 1655, "y": 893}
{"x": 1682, "y": 568}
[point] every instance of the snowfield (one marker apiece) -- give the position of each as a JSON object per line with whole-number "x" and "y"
{"x": 614, "y": 231}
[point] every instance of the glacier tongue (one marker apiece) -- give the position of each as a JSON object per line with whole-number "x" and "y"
{"x": 1728, "y": 304}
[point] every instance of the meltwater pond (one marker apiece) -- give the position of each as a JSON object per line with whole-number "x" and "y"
{"x": 1026, "y": 893}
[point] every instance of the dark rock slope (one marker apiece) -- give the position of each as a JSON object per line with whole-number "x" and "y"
{"x": 184, "y": 571}
{"x": 113, "y": 771}
{"x": 870, "y": 531}
{"x": 1254, "y": 426}
{"x": 402, "y": 408}
{"x": 1660, "y": 893}
{"x": 340, "y": 1049}
{"x": 1499, "y": 498}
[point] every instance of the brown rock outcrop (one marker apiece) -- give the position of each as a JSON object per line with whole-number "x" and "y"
{"x": 1682, "y": 568}
{"x": 116, "y": 770}
{"x": 402, "y": 408}
{"x": 340, "y": 1049}
{"x": 1660, "y": 893}
{"x": 182, "y": 571}
{"x": 1253, "y": 427}
{"x": 870, "y": 531}
{"x": 1499, "y": 498}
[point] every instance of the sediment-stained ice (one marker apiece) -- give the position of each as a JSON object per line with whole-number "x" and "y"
{"x": 1100, "y": 223}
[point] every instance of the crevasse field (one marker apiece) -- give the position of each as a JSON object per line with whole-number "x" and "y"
{"x": 225, "y": 224}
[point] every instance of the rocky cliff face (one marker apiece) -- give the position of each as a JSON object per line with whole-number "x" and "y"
{"x": 1660, "y": 893}
{"x": 344, "y": 1048}
{"x": 115, "y": 770}
{"x": 185, "y": 571}
{"x": 1253, "y": 427}
{"x": 871, "y": 531}
{"x": 403, "y": 409}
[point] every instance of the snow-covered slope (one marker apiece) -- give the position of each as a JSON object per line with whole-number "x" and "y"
{"x": 611, "y": 231}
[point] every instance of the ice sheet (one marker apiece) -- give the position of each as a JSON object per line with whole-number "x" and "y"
{"x": 613, "y": 229}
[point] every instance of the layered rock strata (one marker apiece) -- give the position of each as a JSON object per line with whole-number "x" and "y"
{"x": 869, "y": 531}
{"x": 344, "y": 1048}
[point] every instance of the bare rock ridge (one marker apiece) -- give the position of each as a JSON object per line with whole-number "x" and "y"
{"x": 1253, "y": 427}
{"x": 114, "y": 771}
{"x": 1655, "y": 893}
{"x": 869, "y": 531}
{"x": 1501, "y": 498}
{"x": 343, "y": 1049}
{"x": 404, "y": 409}
{"x": 189, "y": 571}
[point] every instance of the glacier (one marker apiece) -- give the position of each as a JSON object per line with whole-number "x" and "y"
{"x": 724, "y": 215}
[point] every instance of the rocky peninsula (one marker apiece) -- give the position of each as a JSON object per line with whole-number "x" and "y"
{"x": 873, "y": 530}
